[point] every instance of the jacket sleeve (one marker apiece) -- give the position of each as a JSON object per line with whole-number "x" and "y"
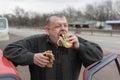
{"x": 21, "y": 52}
{"x": 89, "y": 52}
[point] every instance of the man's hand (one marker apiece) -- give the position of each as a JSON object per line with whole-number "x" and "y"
{"x": 41, "y": 60}
{"x": 74, "y": 40}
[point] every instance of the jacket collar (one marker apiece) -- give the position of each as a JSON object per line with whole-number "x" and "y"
{"x": 50, "y": 42}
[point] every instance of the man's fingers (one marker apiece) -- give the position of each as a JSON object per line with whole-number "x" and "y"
{"x": 41, "y": 60}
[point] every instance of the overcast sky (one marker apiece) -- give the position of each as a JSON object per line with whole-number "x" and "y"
{"x": 42, "y": 6}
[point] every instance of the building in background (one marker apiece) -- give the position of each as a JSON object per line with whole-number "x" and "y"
{"x": 115, "y": 24}
{"x": 83, "y": 24}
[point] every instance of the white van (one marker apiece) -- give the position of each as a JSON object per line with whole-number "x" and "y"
{"x": 4, "y": 29}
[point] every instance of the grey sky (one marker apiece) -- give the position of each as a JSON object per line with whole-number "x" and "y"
{"x": 42, "y": 6}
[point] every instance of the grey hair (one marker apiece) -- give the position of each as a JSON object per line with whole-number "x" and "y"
{"x": 48, "y": 20}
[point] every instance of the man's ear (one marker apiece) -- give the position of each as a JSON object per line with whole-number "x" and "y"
{"x": 47, "y": 29}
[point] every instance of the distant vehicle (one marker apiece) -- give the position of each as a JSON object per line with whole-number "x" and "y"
{"x": 4, "y": 29}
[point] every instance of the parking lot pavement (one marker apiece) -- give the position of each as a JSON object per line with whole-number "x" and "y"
{"x": 110, "y": 44}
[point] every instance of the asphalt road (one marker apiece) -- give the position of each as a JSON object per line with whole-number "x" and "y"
{"x": 106, "y": 74}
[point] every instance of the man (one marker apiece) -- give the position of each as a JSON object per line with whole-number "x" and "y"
{"x": 68, "y": 61}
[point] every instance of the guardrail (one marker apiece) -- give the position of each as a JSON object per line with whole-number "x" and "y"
{"x": 96, "y": 31}
{"x": 91, "y": 31}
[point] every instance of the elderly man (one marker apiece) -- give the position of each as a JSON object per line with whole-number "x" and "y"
{"x": 68, "y": 61}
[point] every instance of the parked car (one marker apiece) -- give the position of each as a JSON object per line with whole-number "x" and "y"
{"x": 4, "y": 29}
{"x": 7, "y": 69}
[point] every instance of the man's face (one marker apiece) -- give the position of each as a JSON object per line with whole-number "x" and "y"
{"x": 57, "y": 26}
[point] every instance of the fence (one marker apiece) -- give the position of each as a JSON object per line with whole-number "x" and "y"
{"x": 96, "y": 31}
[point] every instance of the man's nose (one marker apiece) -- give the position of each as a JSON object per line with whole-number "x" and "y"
{"x": 63, "y": 29}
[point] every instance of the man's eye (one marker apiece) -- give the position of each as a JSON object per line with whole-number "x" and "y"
{"x": 57, "y": 26}
{"x": 66, "y": 25}
{"x": 60, "y": 25}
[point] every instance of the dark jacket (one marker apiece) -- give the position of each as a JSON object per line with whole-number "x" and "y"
{"x": 67, "y": 62}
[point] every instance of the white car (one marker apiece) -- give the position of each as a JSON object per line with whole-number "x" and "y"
{"x": 4, "y": 29}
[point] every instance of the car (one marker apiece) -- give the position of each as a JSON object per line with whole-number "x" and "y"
{"x": 106, "y": 69}
{"x": 7, "y": 70}
{"x": 4, "y": 29}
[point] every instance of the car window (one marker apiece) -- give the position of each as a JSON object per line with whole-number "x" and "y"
{"x": 8, "y": 79}
{"x": 109, "y": 72}
{"x": 106, "y": 69}
{"x": 3, "y": 24}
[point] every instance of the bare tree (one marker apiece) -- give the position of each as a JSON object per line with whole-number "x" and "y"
{"x": 103, "y": 11}
{"x": 117, "y": 9}
{"x": 90, "y": 11}
{"x": 108, "y": 10}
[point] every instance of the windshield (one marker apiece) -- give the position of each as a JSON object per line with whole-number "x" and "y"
{"x": 3, "y": 24}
